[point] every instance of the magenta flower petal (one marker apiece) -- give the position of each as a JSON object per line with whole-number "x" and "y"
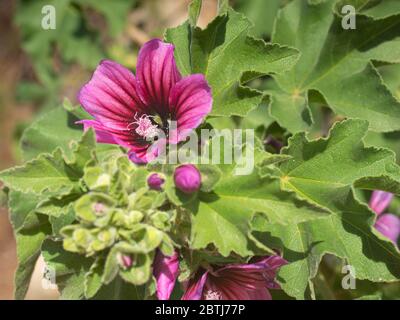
{"x": 236, "y": 281}
{"x": 380, "y": 200}
{"x": 111, "y": 96}
{"x": 190, "y": 101}
{"x": 165, "y": 270}
{"x": 194, "y": 289}
{"x": 157, "y": 74}
{"x": 261, "y": 294}
{"x": 102, "y": 133}
{"x": 389, "y": 225}
{"x": 137, "y": 112}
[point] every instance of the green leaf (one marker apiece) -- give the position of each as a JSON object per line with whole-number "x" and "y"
{"x": 93, "y": 278}
{"x": 47, "y": 172}
{"x": 140, "y": 272}
{"x": 372, "y": 8}
{"x": 70, "y": 269}
{"x": 111, "y": 266}
{"x": 52, "y": 172}
{"x": 223, "y": 52}
{"x": 390, "y": 75}
{"x": 21, "y": 205}
{"x": 337, "y": 63}
{"x": 55, "y": 129}
{"x": 83, "y": 152}
{"x": 121, "y": 290}
{"x": 223, "y": 217}
{"x": 261, "y": 13}
{"x": 323, "y": 172}
{"x": 390, "y": 140}
{"x": 29, "y": 241}
{"x": 210, "y": 176}
{"x": 334, "y": 163}
{"x": 194, "y": 12}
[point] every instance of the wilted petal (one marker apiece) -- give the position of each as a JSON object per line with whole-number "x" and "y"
{"x": 111, "y": 96}
{"x": 380, "y": 200}
{"x": 389, "y": 226}
{"x": 165, "y": 271}
{"x": 190, "y": 101}
{"x": 157, "y": 74}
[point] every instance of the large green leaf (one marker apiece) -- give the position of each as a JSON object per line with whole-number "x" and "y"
{"x": 52, "y": 172}
{"x": 20, "y": 206}
{"x": 54, "y": 129}
{"x": 323, "y": 172}
{"x": 376, "y": 9}
{"x": 224, "y": 52}
{"x": 222, "y": 218}
{"x": 335, "y": 62}
{"x": 70, "y": 269}
{"x": 29, "y": 241}
{"x": 261, "y": 13}
{"x": 47, "y": 172}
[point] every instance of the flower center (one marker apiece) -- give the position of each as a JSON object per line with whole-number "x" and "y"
{"x": 213, "y": 295}
{"x": 99, "y": 208}
{"x": 145, "y": 127}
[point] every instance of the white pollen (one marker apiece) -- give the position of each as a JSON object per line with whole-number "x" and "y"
{"x": 145, "y": 127}
{"x": 213, "y": 295}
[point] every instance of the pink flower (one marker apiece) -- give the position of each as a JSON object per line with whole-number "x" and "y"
{"x": 236, "y": 281}
{"x": 387, "y": 224}
{"x": 165, "y": 270}
{"x": 187, "y": 178}
{"x": 132, "y": 111}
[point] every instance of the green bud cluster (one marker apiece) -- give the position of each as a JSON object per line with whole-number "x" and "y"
{"x": 120, "y": 220}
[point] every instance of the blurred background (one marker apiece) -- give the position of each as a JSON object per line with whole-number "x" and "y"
{"x": 39, "y": 68}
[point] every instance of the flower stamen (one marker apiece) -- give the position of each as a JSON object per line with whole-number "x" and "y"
{"x": 213, "y": 295}
{"x": 145, "y": 127}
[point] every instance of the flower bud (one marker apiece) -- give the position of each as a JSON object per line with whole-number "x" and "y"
{"x": 389, "y": 226}
{"x": 124, "y": 260}
{"x": 155, "y": 181}
{"x": 187, "y": 178}
{"x": 380, "y": 200}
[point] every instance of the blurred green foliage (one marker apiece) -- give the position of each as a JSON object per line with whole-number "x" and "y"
{"x": 80, "y": 37}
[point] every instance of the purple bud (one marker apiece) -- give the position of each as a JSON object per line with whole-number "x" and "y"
{"x": 99, "y": 208}
{"x": 187, "y": 178}
{"x": 380, "y": 200}
{"x": 389, "y": 225}
{"x": 155, "y": 181}
{"x": 124, "y": 260}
